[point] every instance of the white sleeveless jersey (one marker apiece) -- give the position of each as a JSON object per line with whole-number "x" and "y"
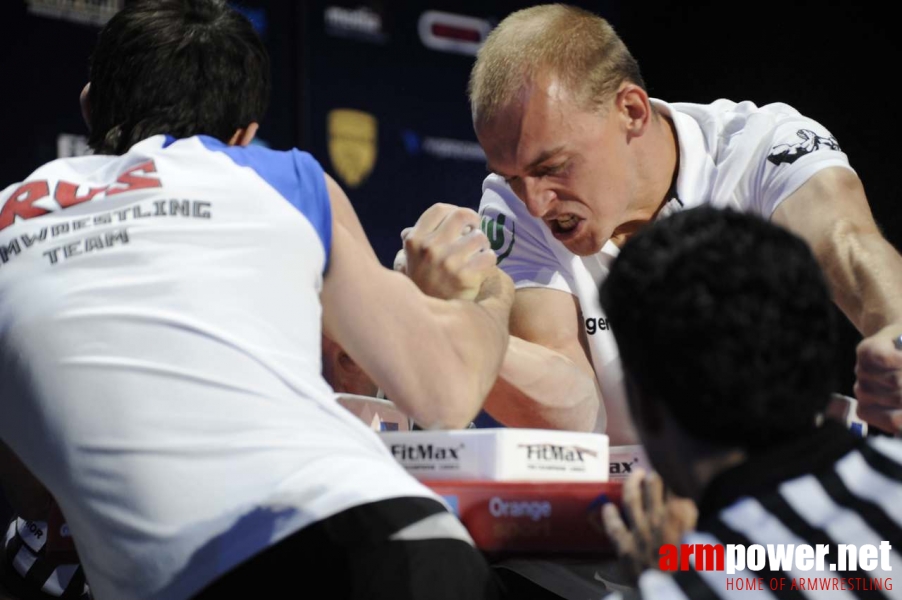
{"x": 731, "y": 155}
{"x": 160, "y": 359}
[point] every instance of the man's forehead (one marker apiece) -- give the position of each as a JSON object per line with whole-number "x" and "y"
{"x": 518, "y": 138}
{"x": 539, "y": 95}
{"x": 529, "y": 161}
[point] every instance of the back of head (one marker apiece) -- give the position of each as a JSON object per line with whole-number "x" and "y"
{"x": 726, "y": 320}
{"x": 578, "y": 47}
{"x": 181, "y": 67}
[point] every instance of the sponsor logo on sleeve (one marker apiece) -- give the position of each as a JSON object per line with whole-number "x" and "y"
{"x": 501, "y": 239}
{"x": 811, "y": 142}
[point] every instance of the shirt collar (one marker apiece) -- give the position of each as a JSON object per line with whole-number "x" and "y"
{"x": 696, "y": 173}
{"x": 765, "y": 470}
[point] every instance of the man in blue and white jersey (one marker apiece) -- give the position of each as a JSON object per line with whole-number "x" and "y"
{"x": 162, "y": 304}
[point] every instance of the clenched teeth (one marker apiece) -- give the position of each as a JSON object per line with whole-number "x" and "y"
{"x": 567, "y": 222}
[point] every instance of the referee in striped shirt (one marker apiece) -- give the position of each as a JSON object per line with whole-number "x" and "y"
{"x": 724, "y": 325}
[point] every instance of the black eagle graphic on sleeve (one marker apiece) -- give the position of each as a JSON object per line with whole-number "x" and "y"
{"x": 789, "y": 153}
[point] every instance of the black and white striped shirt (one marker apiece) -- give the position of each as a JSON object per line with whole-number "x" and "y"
{"x": 28, "y": 571}
{"x": 828, "y": 488}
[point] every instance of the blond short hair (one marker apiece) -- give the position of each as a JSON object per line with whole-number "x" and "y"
{"x": 580, "y": 48}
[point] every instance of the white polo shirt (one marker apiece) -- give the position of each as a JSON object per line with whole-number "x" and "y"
{"x": 731, "y": 155}
{"x": 160, "y": 359}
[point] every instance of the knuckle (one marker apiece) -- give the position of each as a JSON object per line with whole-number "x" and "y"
{"x": 465, "y": 216}
{"x": 412, "y": 245}
{"x": 428, "y": 252}
{"x": 465, "y": 213}
{"x": 448, "y": 264}
{"x": 439, "y": 208}
{"x": 864, "y": 350}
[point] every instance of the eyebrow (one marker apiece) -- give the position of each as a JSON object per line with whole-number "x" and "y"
{"x": 538, "y": 160}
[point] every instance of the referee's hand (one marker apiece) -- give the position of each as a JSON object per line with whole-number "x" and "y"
{"x": 653, "y": 518}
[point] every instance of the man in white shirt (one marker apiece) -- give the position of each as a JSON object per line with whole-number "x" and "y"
{"x": 162, "y": 304}
{"x": 582, "y": 158}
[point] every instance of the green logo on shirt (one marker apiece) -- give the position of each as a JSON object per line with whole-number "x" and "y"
{"x": 493, "y": 228}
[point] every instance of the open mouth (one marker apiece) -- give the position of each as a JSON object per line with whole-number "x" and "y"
{"x": 564, "y": 226}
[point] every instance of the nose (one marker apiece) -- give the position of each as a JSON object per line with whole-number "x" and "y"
{"x": 534, "y": 195}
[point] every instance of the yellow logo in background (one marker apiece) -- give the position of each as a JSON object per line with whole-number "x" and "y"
{"x": 352, "y": 144}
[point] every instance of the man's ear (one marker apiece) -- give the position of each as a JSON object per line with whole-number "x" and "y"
{"x": 85, "y": 102}
{"x": 632, "y": 102}
{"x": 244, "y": 135}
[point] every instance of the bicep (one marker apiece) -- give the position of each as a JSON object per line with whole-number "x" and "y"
{"x": 552, "y": 319}
{"x": 356, "y": 284}
{"x": 826, "y": 207}
{"x": 344, "y": 214}
{"x": 831, "y": 213}
{"x": 357, "y": 288}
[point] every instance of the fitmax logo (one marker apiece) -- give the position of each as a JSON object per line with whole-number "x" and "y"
{"x": 425, "y": 452}
{"x": 550, "y": 452}
{"x": 622, "y": 468}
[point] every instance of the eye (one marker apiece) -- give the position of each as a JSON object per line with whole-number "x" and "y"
{"x": 551, "y": 170}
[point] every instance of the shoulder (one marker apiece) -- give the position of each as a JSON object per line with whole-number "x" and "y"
{"x": 496, "y": 193}
{"x": 267, "y": 162}
{"x": 499, "y": 204}
{"x": 724, "y": 109}
{"x": 64, "y": 167}
{"x": 294, "y": 174}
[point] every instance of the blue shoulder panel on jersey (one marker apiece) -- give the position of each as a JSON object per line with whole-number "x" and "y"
{"x": 294, "y": 174}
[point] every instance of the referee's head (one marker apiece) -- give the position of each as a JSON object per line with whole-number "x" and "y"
{"x": 180, "y": 67}
{"x": 724, "y": 325}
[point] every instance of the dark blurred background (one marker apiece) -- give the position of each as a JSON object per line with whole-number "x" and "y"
{"x": 377, "y": 90}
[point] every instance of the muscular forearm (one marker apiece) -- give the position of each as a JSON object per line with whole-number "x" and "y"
{"x": 865, "y": 275}
{"x": 541, "y": 388}
{"x": 831, "y": 213}
{"x": 478, "y": 334}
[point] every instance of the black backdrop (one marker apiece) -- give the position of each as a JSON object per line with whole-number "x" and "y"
{"x": 828, "y": 61}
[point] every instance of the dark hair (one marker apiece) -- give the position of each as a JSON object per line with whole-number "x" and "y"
{"x": 726, "y": 319}
{"x": 181, "y": 67}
